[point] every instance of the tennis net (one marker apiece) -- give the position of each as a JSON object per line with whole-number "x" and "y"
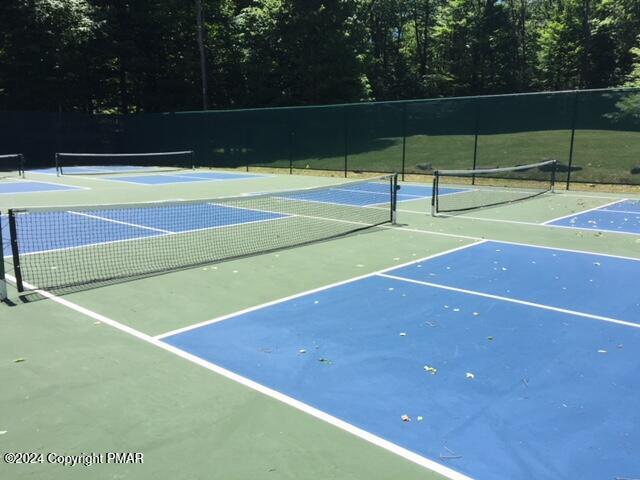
{"x": 12, "y": 165}
{"x": 65, "y": 247}
{"x": 463, "y": 190}
{"x": 109, "y": 163}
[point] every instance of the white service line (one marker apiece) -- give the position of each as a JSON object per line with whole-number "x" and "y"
{"x": 507, "y": 242}
{"x": 512, "y": 300}
{"x": 575, "y": 214}
{"x": 106, "y": 219}
{"x": 292, "y": 402}
{"x": 626, "y": 212}
{"x": 309, "y": 292}
{"x": 518, "y": 222}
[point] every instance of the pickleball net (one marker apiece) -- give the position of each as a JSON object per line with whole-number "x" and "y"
{"x": 11, "y": 165}
{"x": 464, "y": 190}
{"x": 65, "y": 247}
{"x": 109, "y": 163}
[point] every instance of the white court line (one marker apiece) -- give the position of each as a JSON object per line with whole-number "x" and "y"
{"x": 597, "y": 228}
{"x": 159, "y": 184}
{"x": 387, "y": 194}
{"x": 575, "y": 214}
{"x": 477, "y": 241}
{"x": 309, "y": 292}
{"x": 512, "y": 300}
{"x": 247, "y": 176}
{"x": 106, "y": 219}
{"x": 626, "y": 212}
{"x": 507, "y": 242}
{"x": 290, "y": 401}
{"x": 518, "y": 222}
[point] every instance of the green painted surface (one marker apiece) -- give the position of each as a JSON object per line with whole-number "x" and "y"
{"x": 86, "y": 387}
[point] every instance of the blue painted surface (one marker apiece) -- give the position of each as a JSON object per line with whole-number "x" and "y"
{"x": 67, "y": 229}
{"x": 362, "y": 194}
{"x": 630, "y": 206}
{"x": 544, "y": 403}
{"x": 340, "y": 196}
{"x": 157, "y": 179}
{"x": 221, "y": 175}
{"x": 183, "y": 178}
{"x": 623, "y": 217}
{"x": 32, "y": 187}
{"x": 593, "y": 284}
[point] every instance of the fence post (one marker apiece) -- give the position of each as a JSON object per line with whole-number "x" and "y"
{"x": 404, "y": 137}
{"x": 475, "y": 142}
{"x": 247, "y": 147}
{"x": 346, "y": 141}
{"x": 291, "y": 139}
{"x": 573, "y": 136}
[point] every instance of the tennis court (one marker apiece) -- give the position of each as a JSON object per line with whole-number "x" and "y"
{"x": 619, "y": 216}
{"x": 324, "y": 336}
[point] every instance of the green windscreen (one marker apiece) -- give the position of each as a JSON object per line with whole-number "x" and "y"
{"x": 594, "y": 135}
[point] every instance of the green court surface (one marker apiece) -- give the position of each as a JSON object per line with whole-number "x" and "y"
{"x": 83, "y": 372}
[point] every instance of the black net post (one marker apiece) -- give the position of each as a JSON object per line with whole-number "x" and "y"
{"x": 434, "y": 195}
{"x": 13, "y": 234}
{"x": 554, "y": 169}
{"x": 573, "y": 136}
{"x": 21, "y": 165}
{"x": 58, "y": 168}
{"x": 394, "y": 198}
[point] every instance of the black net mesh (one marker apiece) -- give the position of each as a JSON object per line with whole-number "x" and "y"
{"x": 65, "y": 247}
{"x": 109, "y": 163}
{"x": 11, "y": 165}
{"x": 463, "y": 190}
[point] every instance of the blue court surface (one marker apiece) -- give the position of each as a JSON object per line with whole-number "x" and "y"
{"x": 184, "y": 178}
{"x": 92, "y": 170}
{"x": 33, "y": 187}
{"x": 509, "y": 361}
{"x": 365, "y": 194}
{"x": 622, "y": 217}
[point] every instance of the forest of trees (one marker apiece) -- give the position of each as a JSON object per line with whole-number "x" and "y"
{"x": 123, "y": 56}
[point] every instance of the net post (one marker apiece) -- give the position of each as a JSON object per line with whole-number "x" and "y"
{"x": 554, "y": 166}
{"x": 58, "y": 164}
{"x": 21, "y": 165}
{"x": 192, "y": 155}
{"x": 13, "y": 235}
{"x": 434, "y": 195}
{"x": 3, "y": 280}
{"x": 394, "y": 199}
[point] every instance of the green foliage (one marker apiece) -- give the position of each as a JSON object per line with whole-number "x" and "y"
{"x": 131, "y": 56}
